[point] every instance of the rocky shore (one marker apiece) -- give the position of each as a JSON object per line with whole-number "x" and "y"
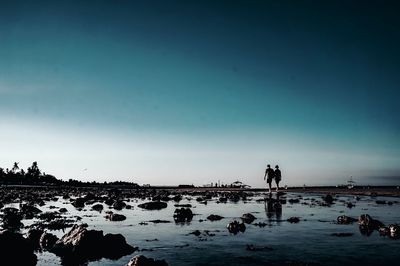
{"x": 81, "y": 243}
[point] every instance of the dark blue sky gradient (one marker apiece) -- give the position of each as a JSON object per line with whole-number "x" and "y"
{"x": 326, "y": 73}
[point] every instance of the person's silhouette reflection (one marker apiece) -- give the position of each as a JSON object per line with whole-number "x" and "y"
{"x": 273, "y": 208}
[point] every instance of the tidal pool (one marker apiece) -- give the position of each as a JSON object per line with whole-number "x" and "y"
{"x": 277, "y": 243}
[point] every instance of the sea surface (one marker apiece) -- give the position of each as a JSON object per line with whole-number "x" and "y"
{"x": 279, "y": 242}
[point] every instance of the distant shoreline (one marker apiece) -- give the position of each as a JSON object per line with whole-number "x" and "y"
{"x": 391, "y": 191}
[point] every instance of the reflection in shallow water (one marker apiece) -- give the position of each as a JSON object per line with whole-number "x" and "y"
{"x": 273, "y": 208}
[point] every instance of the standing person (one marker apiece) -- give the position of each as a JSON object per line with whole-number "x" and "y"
{"x": 278, "y": 176}
{"x": 269, "y": 175}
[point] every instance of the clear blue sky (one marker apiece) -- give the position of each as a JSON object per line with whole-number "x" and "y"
{"x": 171, "y": 92}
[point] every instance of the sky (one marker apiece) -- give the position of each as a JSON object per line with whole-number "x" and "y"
{"x": 192, "y": 92}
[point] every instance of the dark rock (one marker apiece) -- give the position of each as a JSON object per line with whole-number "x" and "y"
{"x": 33, "y": 237}
{"x": 153, "y": 205}
{"x": 114, "y": 217}
{"x": 80, "y": 245}
{"x": 109, "y": 202}
{"x": 214, "y": 217}
{"x": 254, "y": 248}
{"x": 293, "y": 220}
{"x": 29, "y": 211}
{"x": 177, "y": 198}
{"x": 62, "y": 210}
{"x": 183, "y": 215}
{"x": 367, "y": 225}
{"x": 328, "y": 199}
{"x": 380, "y": 202}
{"x": 159, "y": 221}
{"x": 98, "y": 207}
{"x": 79, "y": 203}
{"x": 342, "y": 234}
{"x": 49, "y": 216}
{"x": 118, "y": 205}
{"x": 261, "y": 224}
{"x": 12, "y": 218}
{"x": 248, "y": 218}
{"x": 343, "y": 219}
{"x": 116, "y": 246}
{"x": 196, "y": 233}
{"x": 291, "y": 201}
{"x": 183, "y": 205}
{"x": 236, "y": 227}
{"x": 47, "y": 241}
{"x": 16, "y": 250}
{"x": 141, "y": 260}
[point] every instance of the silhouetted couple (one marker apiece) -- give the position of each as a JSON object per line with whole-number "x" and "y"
{"x": 273, "y": 174}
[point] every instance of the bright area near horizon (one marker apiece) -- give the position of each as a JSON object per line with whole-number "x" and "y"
{"x": 192, "y": 93}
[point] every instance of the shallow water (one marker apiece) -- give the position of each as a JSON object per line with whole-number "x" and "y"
{"x": 308, "y": 241}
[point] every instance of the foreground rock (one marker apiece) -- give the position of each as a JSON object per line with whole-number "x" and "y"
{"x": 236, "y": 227}
{"x": 153, "y": 205}
{"x": 12, "y": 218}
{"x": 16, "y": 250}
{"x": 47, "y": 241}
{"x": 367, "y": 224}
{"x": 114, "y": 217}
{"x": 214, "y": 217}
{"x": 141, "y": 260}
{"x": 343, "y": 219}
{"x": 80, "y": 245}
{"x": 392, "y": 231}
{"x": 248, "y": 218}
{"x": 183, "y": 215}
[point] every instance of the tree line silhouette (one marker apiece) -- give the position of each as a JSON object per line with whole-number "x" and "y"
{"x": 34, "y": 176}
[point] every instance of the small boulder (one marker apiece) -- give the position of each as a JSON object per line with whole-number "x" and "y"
{"x": 98, "y": 207}
{"x": 248, "y": 218}
{"x": 183, "y": 215}
{"x": 236, "y": 227}
{"x": 115, "y": 217}
{"x": 343, "y": 219}
{"x": 293, "y": 220}
{"x": 214, "y": 217}
{"x": 153, "y": 205}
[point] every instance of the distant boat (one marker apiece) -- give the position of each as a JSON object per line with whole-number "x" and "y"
{"x": 350, "y": 183}
{"x": 238, "y": 184}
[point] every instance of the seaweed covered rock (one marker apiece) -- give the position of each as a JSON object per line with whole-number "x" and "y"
{"x": 141, "y": 260}
{"x": 153, "y": 205}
